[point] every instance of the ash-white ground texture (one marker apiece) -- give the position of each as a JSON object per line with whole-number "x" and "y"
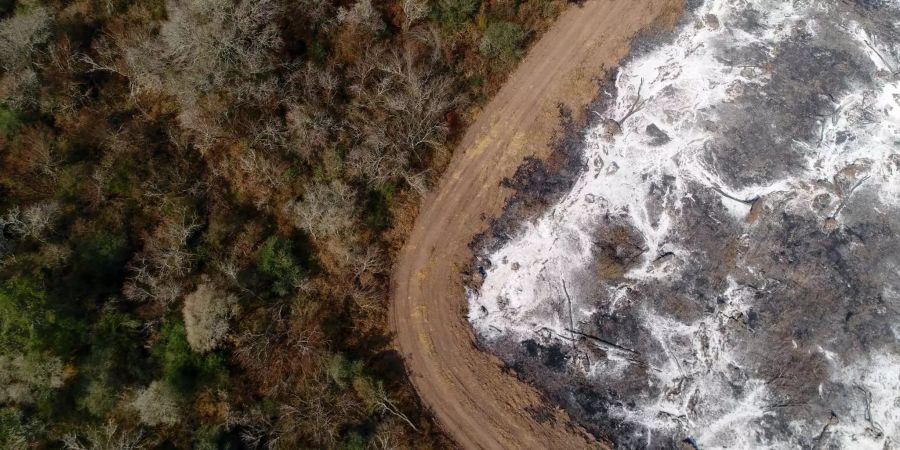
{"x": 725, "y": 272}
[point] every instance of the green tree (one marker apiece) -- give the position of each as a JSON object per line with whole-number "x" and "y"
{"x": 503, "y": 41}
{"x": 28, "y": 321}
{"x": 22, "y": 313}
{"x": 9, "y": 120}
{"x": 182, "y": 368}
{"x": 276, "y": 261}
{"x": 455, "y": 13}
{"x": 99, "y": 261}
{"x": 16, "y": 432}
{"x": 27, "y": 378}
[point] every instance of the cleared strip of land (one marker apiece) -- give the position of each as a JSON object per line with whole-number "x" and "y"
{"x": 475, "y": 402}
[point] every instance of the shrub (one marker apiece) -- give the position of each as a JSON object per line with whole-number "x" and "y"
{"x": 455, "y": 13}
{"x": 378, "y": 207}
{"x": 29, "y": 322}
{"x": 15, "y": 431}
{"x": 25, "y": 378}
{"x": 182, "y": 368}
{"x": 503, "y": 41}
{"x": 22, "y": 305}
{"x": 9, "y": 120}
{"x": 100, "y": 257}
{"x": 98, "y": 399}
{"x": 277, "y": 263}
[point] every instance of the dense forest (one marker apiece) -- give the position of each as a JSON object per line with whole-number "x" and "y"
{"x": 200, "y": 201}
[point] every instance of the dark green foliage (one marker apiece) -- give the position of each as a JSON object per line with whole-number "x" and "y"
{"x": 116, "y": 358}
{"x": 343, "y": 371}
{"x": 9, "y": 120}
{"x": 28, "y": 321}
{"x": 378, "y": 207}
{"x": 6, "y": 7}
{"x": 208, "y": 437}
{"x": 503, "y": 41}
{"x": 354, "y": 441}
{"x": 70, "y": 184}
{"x": 97, "y": 397}
{"x": 15, "y": 432}
{"x": 99, "y": 258}
{"x": 453, "y": 14}
{"x": 182, "y": 368}
{"x": 276, "y": 261}
{"x": 346, "y": 373}
{"x": 318, "y": 52}
{"x": 22, "y": 305}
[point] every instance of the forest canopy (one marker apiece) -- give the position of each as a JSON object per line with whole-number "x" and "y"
{"x": 200, "y": 201}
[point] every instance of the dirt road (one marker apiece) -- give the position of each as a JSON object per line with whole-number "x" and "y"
{"x": 475, "y": 402}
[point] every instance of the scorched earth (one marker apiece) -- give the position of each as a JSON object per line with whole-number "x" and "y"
{"x": 725, "y": 271}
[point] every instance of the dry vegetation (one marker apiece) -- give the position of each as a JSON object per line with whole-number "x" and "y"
{"x": 199, "y": 203}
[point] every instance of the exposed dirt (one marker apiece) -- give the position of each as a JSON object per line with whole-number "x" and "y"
{"x": 476, "y": 402}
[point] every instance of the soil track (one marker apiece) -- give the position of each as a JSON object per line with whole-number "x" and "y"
{"x": 474, "y": 400}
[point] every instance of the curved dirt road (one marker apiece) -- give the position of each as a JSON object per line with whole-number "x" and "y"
{"x": 474, "y": 401}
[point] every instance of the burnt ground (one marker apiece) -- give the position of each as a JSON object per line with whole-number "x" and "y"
{"x": 800, "y": 282}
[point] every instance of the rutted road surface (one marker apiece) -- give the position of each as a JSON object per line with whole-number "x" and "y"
{"x": 475, "y": 402}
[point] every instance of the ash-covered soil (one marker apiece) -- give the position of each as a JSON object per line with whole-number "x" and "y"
{"x": 725, "y": 270}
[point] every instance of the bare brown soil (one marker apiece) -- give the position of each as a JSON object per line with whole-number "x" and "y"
{"x": 477, "y": 403}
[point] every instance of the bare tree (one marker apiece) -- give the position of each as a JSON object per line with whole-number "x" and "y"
{"x": 107, "y": 437}
{"x": 212, "y": 56}
{"x": 398, "y": 115}
{"x": 21, "y": 36}
{"x": 260, "y": 167}
{"x": 311, "y": 127}
{"x": 38, "y": 219}
{"x": 413, "y": 11}
{"x": 326, "y": 210}
{"x": 210, "y": 42}
{"x": 362, "y": 15}
{"x": 206, "y": 313}
{"x": 19, "y": 89}
{"x": 34, "y": 222}
{"x": 376, "y": 164}
{"x": 157, "y": 270}
{"x": 40, "y": 156}
{"x": 367, "y": 263}
{"x": 156, "y": 404}
{"x": 315, "y": 413}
